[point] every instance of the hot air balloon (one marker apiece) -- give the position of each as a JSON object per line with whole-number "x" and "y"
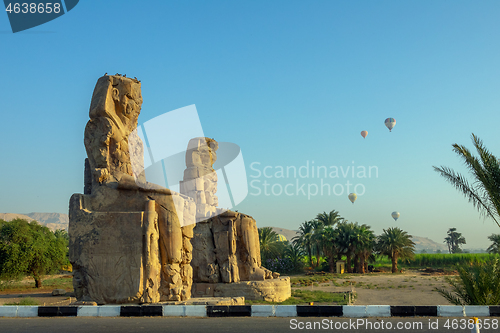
{"x": 390, "y": 123}
{"x": 364, "y": 134}
{"x": 353, "y": 197}
{"x": 395, "y": 215}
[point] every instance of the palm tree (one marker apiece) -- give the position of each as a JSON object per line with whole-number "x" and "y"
{"x": 316, "y": 240}
{"x": 495, "y": 247}
{"x": 295, "y": 253}
{"x": 365, "y": 241}
{"x": 269, "y": 244}
{"x": 347, "y": 242}
{"x": 304, "y": 239}
{"x": 329, "y": 219}
{"x": 478, "y": 283}
{"x": 329, "y": 244}
{"x": 395, "y": 243}
{"x": 484, "y": 192}
{"x": 454, "y": 240}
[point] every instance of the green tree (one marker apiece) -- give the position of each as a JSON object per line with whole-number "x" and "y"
{"x": 395, "y": 243}
{"x": 295, "y": 253}
{"x": 478, "y": 283}
{"x": 329, "y": 219}
{"x": 364, "y": 244}
{"x": 28, "y": 248}
{"x": 330, "y": 246}
{"x": 454, "y": 240}
{"x": 495, "y": 247}
{"x": 270, "y": 247}
{"x": 484, "y": 192}
{"x": 347, "y": 242}
{"x": 305, "y": 239}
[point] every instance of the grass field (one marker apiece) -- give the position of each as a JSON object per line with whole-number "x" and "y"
{"x": 437, "y": 260}
{"x": 48, "y": 284}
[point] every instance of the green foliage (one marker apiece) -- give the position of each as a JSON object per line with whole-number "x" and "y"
{"x": 484, "y": 192}
{"x": 28, "y": 248}
{"x": 395, "y": 243}
{"x": 270, "y": 246}
{"x": 445, "y": 260}
{"x": 495, "y": 247}
{"x": 454, "y": 240}
{"x": 478, "y": 283}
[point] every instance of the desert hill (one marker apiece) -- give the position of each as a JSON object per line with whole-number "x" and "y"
{"x": 53, "y": 221}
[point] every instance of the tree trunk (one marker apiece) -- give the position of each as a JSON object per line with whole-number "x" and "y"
{"x": 38, "y": 281}
{"x": 310, "y": 257}
{"x": 394, "y": 264}
{"x": 362, "y": 264}
{"x": 331, "y": 263}
{"x": 348, "y": 263}
{"x": 318, "y": 256}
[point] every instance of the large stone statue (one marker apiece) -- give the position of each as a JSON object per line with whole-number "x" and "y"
{"x": 226, "y": 248}
{"x": 129, "y": 240}
{"x": 136, "y": 242}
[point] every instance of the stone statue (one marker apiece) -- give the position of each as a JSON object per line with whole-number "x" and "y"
{"x": 136, "y": 242}
{"x": 226, "y": 246}
{"x": 129, "y": 239}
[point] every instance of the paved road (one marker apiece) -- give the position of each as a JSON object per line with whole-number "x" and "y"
{"x": 222, "y": 325}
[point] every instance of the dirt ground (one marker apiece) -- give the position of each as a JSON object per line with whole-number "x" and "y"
{"x": 409, "y": 288}
{"x": 42, "y": 296}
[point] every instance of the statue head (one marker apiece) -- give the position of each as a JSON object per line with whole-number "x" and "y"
{"x": 118, "y": 98}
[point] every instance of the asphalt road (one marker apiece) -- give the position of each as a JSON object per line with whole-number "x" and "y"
{"x": 221, "y": 325}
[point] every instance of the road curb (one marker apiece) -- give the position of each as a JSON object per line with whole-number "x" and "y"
{"x": 345, "y": 311}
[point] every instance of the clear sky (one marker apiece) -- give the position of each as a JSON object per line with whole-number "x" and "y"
{"x": 291, "y": 82}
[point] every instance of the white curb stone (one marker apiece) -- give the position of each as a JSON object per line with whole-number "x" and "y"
{"x": 263, "y": 311}
{"x": 354, "y": 311}
{"x": 195, "y": 311}
{"x": 27, "y": 311}
{"x": 477, "y": 310}
{"x": 8, "y": 311}
{"x": 286, "y": 311}
{"x": 450, "y": 311}
{"x": 174, "y": 310}
{"x": 378, "y": 310}
{"x": 109, "y": 311}
{"x": 87, "y": 311}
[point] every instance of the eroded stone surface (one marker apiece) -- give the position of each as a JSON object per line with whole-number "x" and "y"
{"x": 136, "y": 242}
{"x": 129, "y": 239}
{"x": 275, "y": 290}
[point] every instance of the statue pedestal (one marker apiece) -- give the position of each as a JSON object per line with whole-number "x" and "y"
{"x": 274, "y": 290}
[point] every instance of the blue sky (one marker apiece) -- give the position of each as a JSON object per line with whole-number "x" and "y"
{"x": 290, "y": 82}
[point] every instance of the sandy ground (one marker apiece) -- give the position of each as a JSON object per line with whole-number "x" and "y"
{"x": 43, "y": 296}
{"x": 410, "y": 288}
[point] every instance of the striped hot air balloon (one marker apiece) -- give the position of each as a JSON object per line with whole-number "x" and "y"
{"x": 390, "y": 123}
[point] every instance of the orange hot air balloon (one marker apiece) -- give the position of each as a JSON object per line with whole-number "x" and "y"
{"x": 364, "y": 134}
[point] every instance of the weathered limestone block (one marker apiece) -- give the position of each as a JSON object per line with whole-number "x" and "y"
{"x": 204, "y": 263}
{"x": 229, "y": 243}
{"x": 114, "y": 255}
{"x": 275, "y": 290}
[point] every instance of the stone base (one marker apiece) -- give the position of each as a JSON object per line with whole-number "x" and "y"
{"x": 274, "y": 290}
{"x": 209, "y": 301}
